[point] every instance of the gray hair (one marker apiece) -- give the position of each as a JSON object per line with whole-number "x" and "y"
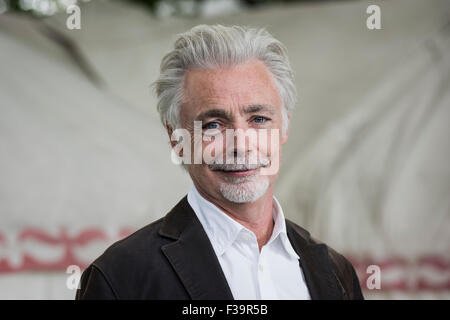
{"x": 209, "y": 47}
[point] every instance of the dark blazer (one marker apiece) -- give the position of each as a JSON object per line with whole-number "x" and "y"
{"x": 172, "y": 258}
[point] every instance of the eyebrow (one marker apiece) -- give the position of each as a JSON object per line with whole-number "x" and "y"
{"x": 214, "y": 113}
{"x": 259, "y": 108}
{"x": 220, "y": 113}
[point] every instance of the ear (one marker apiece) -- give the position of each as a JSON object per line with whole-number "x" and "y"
{"x": 284, "y": 139}
{"x": 172, "y": 142}
{"x": 169, "y": 132}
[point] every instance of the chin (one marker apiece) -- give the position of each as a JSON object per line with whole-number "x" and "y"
{"x": 244, "y": 191}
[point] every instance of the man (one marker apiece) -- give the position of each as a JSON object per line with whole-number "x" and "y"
{"x": 228, "y": 237}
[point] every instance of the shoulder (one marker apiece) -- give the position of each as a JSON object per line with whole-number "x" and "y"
{"x": 125, "y": 266}
{"x": 136, "y": 267}
{"x": 336, "y": 258}
{"x": 343, "y": 270}
{"x": 135, "y": 251}
{"x": 345, "y": 275}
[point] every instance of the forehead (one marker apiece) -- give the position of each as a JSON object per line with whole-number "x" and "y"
{"x": 246, "y": 84}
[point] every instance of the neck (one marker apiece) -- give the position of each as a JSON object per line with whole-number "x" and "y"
{"x": 256, "y": 216}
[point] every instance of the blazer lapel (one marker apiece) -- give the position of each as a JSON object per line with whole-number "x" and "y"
{"x": 315, "y": 264}
{"x": 192, "y": 255}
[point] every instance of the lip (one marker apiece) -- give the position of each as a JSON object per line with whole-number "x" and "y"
{"x": 240, "y": 173}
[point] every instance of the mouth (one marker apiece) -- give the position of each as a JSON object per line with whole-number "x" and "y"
{"x": 238, "y": 170}
{"x": 239, "y": 173}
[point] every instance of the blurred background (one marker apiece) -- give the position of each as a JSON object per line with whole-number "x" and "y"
{"x": 84, "y": 160}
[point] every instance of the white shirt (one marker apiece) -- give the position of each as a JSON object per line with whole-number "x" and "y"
{"x": 274, "y": 273}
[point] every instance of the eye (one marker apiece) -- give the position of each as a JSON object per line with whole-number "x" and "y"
{"x": 211, "y": 125}
{"x": 260, "y": 119}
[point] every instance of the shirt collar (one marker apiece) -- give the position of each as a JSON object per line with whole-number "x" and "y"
{"x": 222, "y": 230}
{"x": 279, "y": 229}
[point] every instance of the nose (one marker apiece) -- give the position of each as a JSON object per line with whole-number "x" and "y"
{"x": 239, "y": 152}
{"x": 239, "y": 143}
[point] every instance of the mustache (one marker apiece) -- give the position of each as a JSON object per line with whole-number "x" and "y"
{"x": 239, "y": 164}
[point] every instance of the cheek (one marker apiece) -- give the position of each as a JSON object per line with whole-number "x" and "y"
{"x": 214, "y": 148}
{"x": 270, "y": 142}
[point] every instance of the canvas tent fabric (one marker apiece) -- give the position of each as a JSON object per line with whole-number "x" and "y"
{"x": 376, "y": 183}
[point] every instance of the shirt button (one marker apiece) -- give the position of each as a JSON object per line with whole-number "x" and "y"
{"x": 260, "y": 268}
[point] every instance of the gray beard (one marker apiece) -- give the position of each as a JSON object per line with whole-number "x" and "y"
{"x": 245, "y": 189}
